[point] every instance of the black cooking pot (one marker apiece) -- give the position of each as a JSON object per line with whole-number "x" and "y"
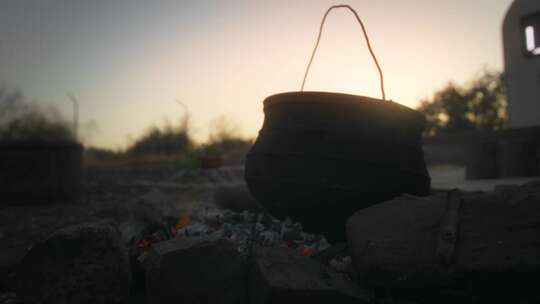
{"x": 320, "y": 157}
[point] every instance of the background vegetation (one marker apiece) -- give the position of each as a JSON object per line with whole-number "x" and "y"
{"x": 22, "y": 120}
{"x": 478, "y": 105}
{"x": 173, "y": 143}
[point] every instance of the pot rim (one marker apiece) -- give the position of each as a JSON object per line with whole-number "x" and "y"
{"x": 322, "y": 97}
{"x": 286, "y": 97}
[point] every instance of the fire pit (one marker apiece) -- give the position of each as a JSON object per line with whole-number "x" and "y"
{"x": 244, "y": 229}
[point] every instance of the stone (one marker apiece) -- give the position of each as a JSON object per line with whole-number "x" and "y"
{"x": 85, "y": 263}
{"x": 394, "y": 242}
{"x": 486, "y": 244}
{"x": 195, "y": 270}
{"x": 8, "y": 298}
{"x": 282, "y": 275}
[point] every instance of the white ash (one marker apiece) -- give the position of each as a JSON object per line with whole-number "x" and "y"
{"x": 248, "y": 229}
{"x": 341, "y": 264}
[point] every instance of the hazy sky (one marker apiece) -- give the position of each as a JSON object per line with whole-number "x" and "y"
{"x": 127, "y": 61}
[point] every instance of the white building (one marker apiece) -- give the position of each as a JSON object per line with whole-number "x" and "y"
{"x": 521, "y": 39}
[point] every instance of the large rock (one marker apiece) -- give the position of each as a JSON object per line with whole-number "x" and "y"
{"x": 393, "y": 244}
{"x": 485, "y": 243}
{"x": 85, "y": 263}
{"x": 195, "y": 270}
{"x": 282, "y": 275}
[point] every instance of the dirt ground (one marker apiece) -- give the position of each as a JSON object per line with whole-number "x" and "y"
{"x": 138, "y": 197}
{"x": 130, "y": 196}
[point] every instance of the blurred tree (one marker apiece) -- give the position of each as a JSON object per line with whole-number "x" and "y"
{"x": 481, "y": 105}
{"x": 22, "y": 120}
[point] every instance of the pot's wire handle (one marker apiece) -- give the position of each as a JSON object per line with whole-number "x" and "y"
{"x": 367, "y": 41}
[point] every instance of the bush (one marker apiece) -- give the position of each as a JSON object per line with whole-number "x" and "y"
{"x": 173, "y": 145}
{"x": 21, "y": 120}
{"x": 165, "y": 140}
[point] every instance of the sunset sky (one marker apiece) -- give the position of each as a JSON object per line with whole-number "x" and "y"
{"x": 128, "y": 61}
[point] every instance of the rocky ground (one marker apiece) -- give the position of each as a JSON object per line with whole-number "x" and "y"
{"x": 164, "y": 226}
{"x": 148, "y": 206}
{"x": 139, "y": 200}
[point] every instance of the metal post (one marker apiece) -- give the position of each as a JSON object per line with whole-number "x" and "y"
{"x": 75, "y": 115}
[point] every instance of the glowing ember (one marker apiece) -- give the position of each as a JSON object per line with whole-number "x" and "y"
{"x": 183, "y": 221}
{"x": 245, "y": 229}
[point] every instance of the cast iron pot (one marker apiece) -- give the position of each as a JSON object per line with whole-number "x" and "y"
{"x": 320, "y": 157}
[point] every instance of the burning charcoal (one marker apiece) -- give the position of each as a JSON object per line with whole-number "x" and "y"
{"x": 341, "y": 264}
{"x": 330, "y": 252}
{"x": 281, "y": 275}
{"x": 249, "y": 217}
{"x": 214, "y": 216}
{"x": 194, "y": 230}
{"x": 287, "y": 221}
{"x": 195, "y": 270}
{"x": 85, "y": 263}
{"x": 240, "y": 235}
{"x": 268, "y": 238}
{"x": 183, "y": 220}
{"x": 245, "y": 229}
{"x": 227, "y": 230}
{"x": 323, "y": 244}
{"x": 237, "y": 218}
{"x": 290, "y": 231}
{"x": 259, "y": 227}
